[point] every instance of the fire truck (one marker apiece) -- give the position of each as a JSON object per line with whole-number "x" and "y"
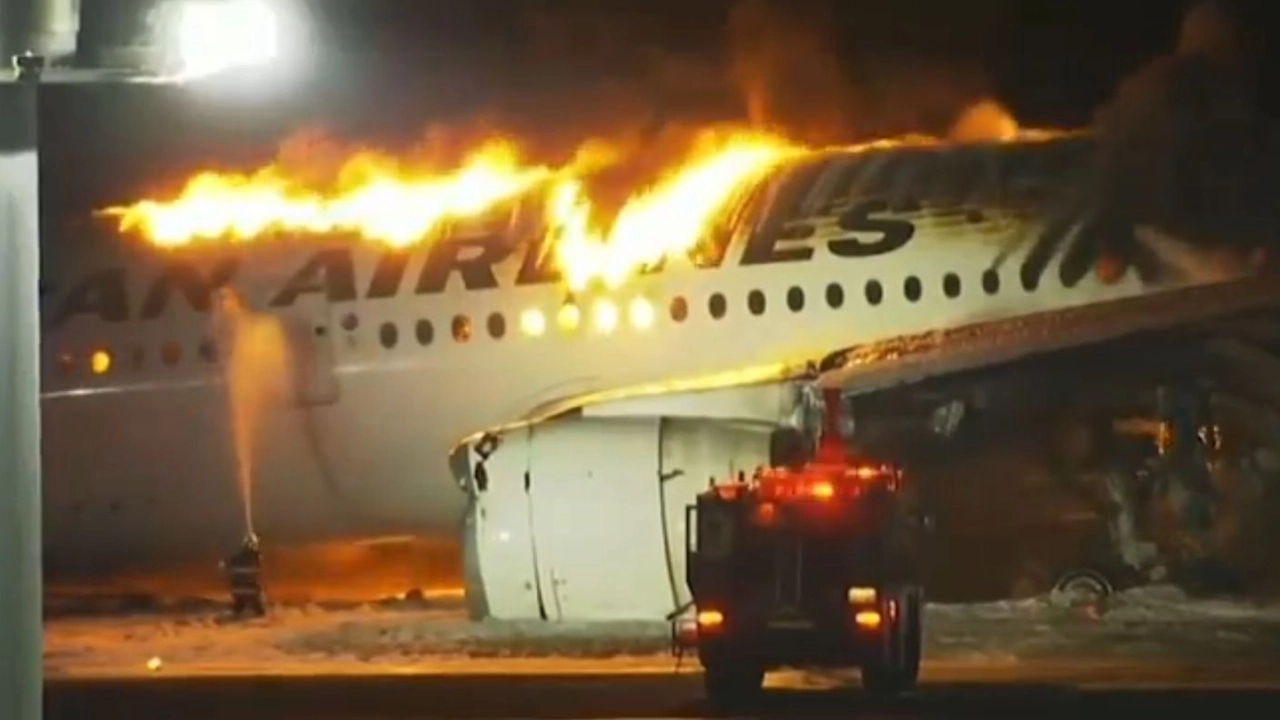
{"x": 813, "y": 564}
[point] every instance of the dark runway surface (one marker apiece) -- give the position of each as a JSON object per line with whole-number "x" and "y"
{"x": 615, "y": 695}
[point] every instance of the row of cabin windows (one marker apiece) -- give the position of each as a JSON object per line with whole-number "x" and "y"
{"x": 717, "y": 307}
{"x": 100, "y": 362}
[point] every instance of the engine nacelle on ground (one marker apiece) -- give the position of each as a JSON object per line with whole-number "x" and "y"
{"x": 583, "y": 519}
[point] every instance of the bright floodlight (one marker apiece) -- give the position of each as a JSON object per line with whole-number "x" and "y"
{"x": 211, "y": 36}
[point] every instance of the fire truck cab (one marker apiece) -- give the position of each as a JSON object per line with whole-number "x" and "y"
{"x": 808, "y": 566}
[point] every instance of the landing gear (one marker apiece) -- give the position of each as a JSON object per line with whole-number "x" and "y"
{"x": 731, "y": 684}
{"x": 896, "y": 667}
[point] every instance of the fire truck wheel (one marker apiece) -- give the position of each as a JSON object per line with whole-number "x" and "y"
{"x": 732, "y": 684}
{"x": 897, "y": 667}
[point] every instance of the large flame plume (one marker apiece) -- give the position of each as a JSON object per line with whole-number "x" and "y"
{"x": 372, "y": 200}
{"x": 668, "y": 218}
{"x": 372, "y": 197}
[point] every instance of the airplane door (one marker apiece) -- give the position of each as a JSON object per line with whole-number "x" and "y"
{"x": 505, "y": 554}
{"x": 309, "y": 326}
{"x": 598, "y": 520}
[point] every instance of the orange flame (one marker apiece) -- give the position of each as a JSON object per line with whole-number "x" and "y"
{"x": 378, "y": 201}
{"x": 667, "y": 219}
{"x": 381, "y": 205}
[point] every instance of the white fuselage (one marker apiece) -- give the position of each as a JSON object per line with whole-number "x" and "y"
{"x": 139, "y": 462}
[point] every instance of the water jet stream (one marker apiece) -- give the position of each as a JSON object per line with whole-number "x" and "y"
{"x": 256, "y": 367}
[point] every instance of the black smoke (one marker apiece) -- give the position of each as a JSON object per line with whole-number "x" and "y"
{"x": 1183, "y": 176}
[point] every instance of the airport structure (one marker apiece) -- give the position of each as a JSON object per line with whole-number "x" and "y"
{"x": 20, "y": 572}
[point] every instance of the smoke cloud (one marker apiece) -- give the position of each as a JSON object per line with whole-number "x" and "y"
{"x": 1183, "y": 150}
{"x": 584, "y": 70}
{"x": 785, "y": 67}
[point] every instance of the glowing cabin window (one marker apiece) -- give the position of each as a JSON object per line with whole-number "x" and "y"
{"x": 497, "y": 325}
{"x": 569, "y": 317}
{"x": 461, "y": 328}
{"x": 679, "y": 309}
{"x": 604, "y": 316}
{"x": 641, "y": 313}
{"x": 1109, "y": 270}
{"x": 100, "y": 362}
{"x": 533, "y": 323}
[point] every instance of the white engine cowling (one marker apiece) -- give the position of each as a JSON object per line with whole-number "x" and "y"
{"x": 584, "y": 518}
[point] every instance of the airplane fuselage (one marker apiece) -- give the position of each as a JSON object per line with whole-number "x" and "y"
{"x": 398, "y": 356}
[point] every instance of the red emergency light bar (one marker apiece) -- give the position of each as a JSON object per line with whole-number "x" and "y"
{"x": 824, "y": 482}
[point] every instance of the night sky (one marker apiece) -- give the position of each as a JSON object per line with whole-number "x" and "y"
{"x": 1051, "y": 61}
{"x": 386, "y": 69}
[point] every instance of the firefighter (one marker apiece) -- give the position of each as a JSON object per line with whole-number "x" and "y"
{"x": 244, "y": 576}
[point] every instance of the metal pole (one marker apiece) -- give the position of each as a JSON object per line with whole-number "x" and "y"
{"x": 21, "y": 632}
{"x": 49, "y": 28}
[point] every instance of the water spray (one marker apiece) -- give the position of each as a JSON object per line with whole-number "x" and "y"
{"x": 255, "y": 373}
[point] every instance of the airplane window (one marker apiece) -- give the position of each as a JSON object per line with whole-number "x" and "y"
{"x": 795, "y": 299}
{"x": 717, "y": 306}
{"x": 350, "y": 322}
{"x": 207, "y": 350}
{"x": 100, "y": 362}
{"x": 974, "y": 215}
{"x": 66, "y": 363}
{"x": 569, "y": 317}
{"x": 388, "y": 335}
{"x": 533, "y": 322}
{"x": 951, "y": 285}
{"x": 755, "y": 302}
{"x": 425, "y": 331}
{"x": 1030, "y": 281}
{"x": 461, "y": 328}
{"x": 497, "y": 326}
{"x": 679, "y": 309}
{"x": 990, "y": 282}
{"x": 170, "y": 353}
{"x": 911, "y": 288}
{"x": 835, "y": 296}
{"x": 874, "y": 292}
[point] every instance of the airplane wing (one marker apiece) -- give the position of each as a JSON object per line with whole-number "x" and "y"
{"x": 878, "y": 366}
